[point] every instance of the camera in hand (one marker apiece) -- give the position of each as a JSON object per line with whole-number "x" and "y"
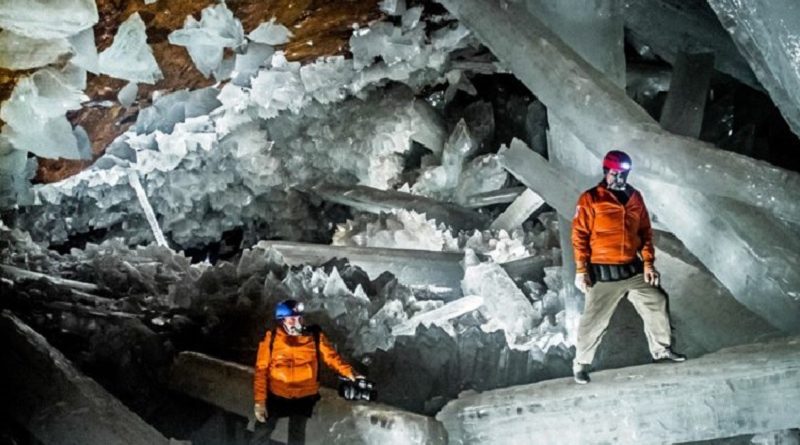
{"x": 360, "y": 389}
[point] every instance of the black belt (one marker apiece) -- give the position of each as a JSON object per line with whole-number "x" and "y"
{"x": 615, "y": 272}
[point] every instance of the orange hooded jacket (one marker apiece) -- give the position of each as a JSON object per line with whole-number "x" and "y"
{"x": 606, "y": 232}
{"x": 291, "y": 370}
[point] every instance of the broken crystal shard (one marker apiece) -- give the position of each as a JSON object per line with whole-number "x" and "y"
{"x": 205, "y": 40}
{"x": 766, "y": 33}
{"x": 127, "y": 94}
{"x": 505, "y": 304}
{"x": 481, "y": 175}
{"x": 588, "y": 110}
{"x": 710, "y": 402}
{"x": 176, "y": 107}
{"x": 45, "y": 19}
{"x": 19, "y": 52}
{"x": 519, "y": 211}
{"x": 440, "y": 316}
{"x": 130, "y": 57}
{"x": 270, "y": 33}
{"x": 35, "y": 114}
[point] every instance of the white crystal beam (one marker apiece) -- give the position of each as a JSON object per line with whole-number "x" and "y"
{"x": 133, "y": 178}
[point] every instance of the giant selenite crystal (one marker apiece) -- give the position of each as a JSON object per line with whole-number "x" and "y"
{"x": 765, "y": 275}
{"x": 130, "y": 57}
{"x": 737, "y": 391}
{"x": 601, "y": 114}
{"x": 18, "y": 52}
{"x": 46, "y": 19}
{"x": 768, "y": 34}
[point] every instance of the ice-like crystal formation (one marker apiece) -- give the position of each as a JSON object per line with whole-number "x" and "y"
{"x": 133, "y": 178}
{"x": 403, "y": 229}
{"x": 439, "y": 182}
{"x": 766, "y": 33}
{"x": 440, "y": 316}
{"x": 45, "y": 19}
{"x": 505, "y": 304}
{"x": 18, "y": 52}
{"x": 205, "y": 40}
{"x": 248, "y": 64}
{"x": 241, "y": 178}
{"x": 84, "y": 50}
{"x": 35, "y": 114}
{"x": 519, "y": 211}
{"x": 270, "y": 33}
{"x": 127, "y": 94}
{"x": 130, "y": 57}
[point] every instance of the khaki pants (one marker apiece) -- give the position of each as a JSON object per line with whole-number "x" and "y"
{"x": 601, "y": 301}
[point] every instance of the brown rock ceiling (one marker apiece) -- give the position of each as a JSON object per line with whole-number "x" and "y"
{"x": 320, "y": 28}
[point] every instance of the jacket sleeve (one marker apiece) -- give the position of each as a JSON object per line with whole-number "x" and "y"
{"x": 646, "y": 235}
{"x": 582, "y": 224}
{"x": 333, "y": 359}
{"x": 260, "y": 381}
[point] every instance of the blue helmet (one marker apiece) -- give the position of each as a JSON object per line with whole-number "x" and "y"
{"x": 288, "y": 308}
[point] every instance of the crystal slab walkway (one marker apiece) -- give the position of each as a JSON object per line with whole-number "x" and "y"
{"x": 743, "y": 390}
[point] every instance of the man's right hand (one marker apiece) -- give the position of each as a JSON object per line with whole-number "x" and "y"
{"x": 583, "y": 282}
{"x": 260, "y": 411}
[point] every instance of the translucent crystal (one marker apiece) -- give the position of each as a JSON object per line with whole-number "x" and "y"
{"x": 127, "y": 94}
{"x": 270, "y": 33}
{"x": 44, "y": 19}
{"x": 439, "y": 316}
{"x": 247, "y": 65}
{"x": 18, "y": 52}
{"x": 206, "y": 39}
{"x": 505, "y": 304}
{"x": 84, "y": 50}
{"x": 393, "y": 7}
{"x": 130, "y": 57}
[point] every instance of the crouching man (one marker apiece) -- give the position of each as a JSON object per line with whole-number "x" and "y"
{"x": 286, "y": 381}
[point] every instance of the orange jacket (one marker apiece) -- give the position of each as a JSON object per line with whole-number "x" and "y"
{"x": 606, "y": 232}
{"x": 291, "y": 371}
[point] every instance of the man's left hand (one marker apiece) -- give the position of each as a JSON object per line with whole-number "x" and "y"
{"x": 651, "y": 276}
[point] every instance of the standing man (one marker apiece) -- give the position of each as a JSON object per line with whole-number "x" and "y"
{"x": 286, "y": 380}
{"x": 613, "y": 243}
